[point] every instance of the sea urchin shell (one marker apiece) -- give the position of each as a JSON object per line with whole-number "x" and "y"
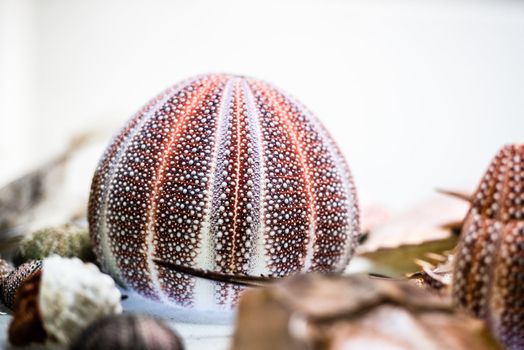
{"x": 489, "y": 272}
{"x": 130, "y": 332}
{"x": 225, "y": 174}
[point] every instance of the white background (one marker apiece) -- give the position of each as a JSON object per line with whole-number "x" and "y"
{"x": 419, "y": 94}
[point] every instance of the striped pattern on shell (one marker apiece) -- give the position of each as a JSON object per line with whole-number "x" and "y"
{"x": 489, "y": 272}
{"x": 11, "y": 283}
{"x": 225, "y": 174}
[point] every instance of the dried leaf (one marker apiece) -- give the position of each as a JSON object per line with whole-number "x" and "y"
{"x": 437, "y": 277}
{"x": 336, "y": 312}
{"x": 53, "y": 194}
{"x": 430, "y": 226}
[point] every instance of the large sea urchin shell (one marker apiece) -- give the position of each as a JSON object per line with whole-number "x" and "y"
{"x": 225, "y": 174}
{"x": 489, "y": 273}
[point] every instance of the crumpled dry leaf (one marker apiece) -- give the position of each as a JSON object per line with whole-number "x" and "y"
{"x": 373, "y": 216}
{"x": 425, "y": 222}
{"x": 352, "y": 312}
{"x": 431, "y": 226}
{"x": 53, "y": 194}
{"x": 19, "y": 198}
{"x": 436, "y": 273}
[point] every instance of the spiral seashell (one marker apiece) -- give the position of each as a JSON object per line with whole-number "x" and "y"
{"x": 489, "y": 266}
{"x": 11, "y": 283}
{"x": 226, "y": 174}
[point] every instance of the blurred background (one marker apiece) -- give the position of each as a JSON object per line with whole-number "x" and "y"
{"x": 419, "y": 94}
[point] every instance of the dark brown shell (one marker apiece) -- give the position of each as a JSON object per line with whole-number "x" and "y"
{"x": 10, "y": 284}
{"x": 131, "y": 332}
{"x": 26, "y": 325}
{"x": 489, "y": 266}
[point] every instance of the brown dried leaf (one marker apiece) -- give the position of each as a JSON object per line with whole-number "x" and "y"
{"x": 430, "y": 226}
{"x": 425, "y": 222}
{"x": 436, "y": 278}
{"x": 54, "y": 193}
{"x": 19, "y": 198}
{"x": 336, "y": 312}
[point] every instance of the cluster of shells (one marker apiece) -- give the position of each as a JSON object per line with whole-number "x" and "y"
{"x": 64, "y": 302}
{"x": 224, "y": 179}
{"x": 231, "y": 176}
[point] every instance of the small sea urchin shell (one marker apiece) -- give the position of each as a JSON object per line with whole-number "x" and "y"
{"x": 489, "y": 267}
{"x": 225, "y": 174}
{"x": 130, "y": 332}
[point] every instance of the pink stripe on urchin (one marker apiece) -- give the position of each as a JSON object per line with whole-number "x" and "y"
{"x": 331, "y": 190}
{"x": 183, "y": 204}
{"x": 167, "y": 281}
{"x": 104, "y": 174}
{"x": 236, "y": 191}
{"x": 333, "y": 211}
{"x": 225, "y": 174}
{"x": 133, "y": 198}
{"x": 281, "y": 262}
{"x": 286, "y": 203}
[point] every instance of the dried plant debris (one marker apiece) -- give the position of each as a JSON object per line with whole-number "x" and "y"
{"x": 63, "y": 298}
{"x": 429, "y": 227}
{"x": 488, "y": 276}
{"x": 18, "y": 198}
{"x": 65, "y": 240}
{"x": 352, "y": 312}
{"x": 436, "y": 273}
{"x": 5, "y": 269}
{"x": 22, "y": 200}
{"x": 54, "y": 193}
{"x": 425, "y": 222}
{"x": 130, "y": 332}
{"x": 373, "y": 216}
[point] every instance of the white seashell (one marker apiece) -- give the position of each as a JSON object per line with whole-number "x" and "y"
{"x": 72, "y": 295}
